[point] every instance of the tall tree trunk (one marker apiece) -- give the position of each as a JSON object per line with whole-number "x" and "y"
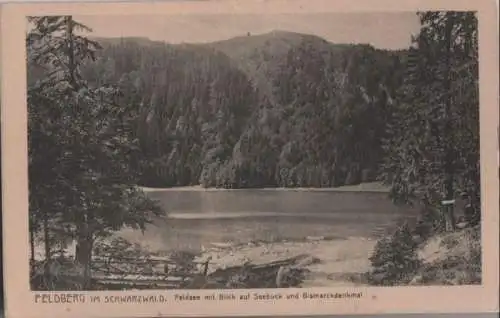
{"x": 32, "y": 242}
{"x": 83, "y": 249}
{"x": 83, "y": 256}
{"x": 83, "y": 252}
{"x": 46, "y": 235}
{"x": 448, "y": 129}
{"x": 46, "y": 240}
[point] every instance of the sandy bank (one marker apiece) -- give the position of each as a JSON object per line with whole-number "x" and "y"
{"x": 338, "y": 259}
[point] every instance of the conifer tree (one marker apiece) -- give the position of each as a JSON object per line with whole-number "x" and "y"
{"x": 80, "y": 144}
{"x": 433, "y": 151}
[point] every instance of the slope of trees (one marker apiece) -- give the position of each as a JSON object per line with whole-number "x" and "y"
{"x": 285, "y": 110}
{"x": 81, "y": 183}
{"x": 192, "y": 107}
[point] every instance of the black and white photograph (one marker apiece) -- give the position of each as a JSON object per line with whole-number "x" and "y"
{"x": 218, "y": 158}
{"x": 253, "y": 151}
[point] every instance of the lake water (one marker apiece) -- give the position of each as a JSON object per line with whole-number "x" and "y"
{"x": 196, "y": 219}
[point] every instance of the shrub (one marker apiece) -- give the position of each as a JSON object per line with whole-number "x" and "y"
{"x": 395, "y": 259}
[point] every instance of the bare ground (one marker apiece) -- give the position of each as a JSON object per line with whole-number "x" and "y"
{"x": 331, "y": 262}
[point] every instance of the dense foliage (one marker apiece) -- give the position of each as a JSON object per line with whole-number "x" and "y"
{"x": 433, "y": 145}
{"x": 395, "y": 260}
{"x": 82, "y": 186}
{"x": 432, "y": 153}
{"x": 280, "y": 109}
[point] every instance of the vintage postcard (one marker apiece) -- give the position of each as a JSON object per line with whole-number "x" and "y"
{"x": 229, "y": 158}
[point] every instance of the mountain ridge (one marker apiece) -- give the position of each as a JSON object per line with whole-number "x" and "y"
{"x": 279, "y": 109}
{"x": 277, "y": 33}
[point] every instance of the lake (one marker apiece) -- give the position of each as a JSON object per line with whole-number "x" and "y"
{"x": 199, "y": 218}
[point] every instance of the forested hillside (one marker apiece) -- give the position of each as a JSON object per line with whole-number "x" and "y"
{"x": 278, "y": 109}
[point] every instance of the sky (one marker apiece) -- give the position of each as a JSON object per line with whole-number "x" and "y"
{"x": 382, "y": 30}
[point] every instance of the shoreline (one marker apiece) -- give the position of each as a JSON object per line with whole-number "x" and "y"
{"x": 374, "y": 187}
{"x": 330, "y": 262}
